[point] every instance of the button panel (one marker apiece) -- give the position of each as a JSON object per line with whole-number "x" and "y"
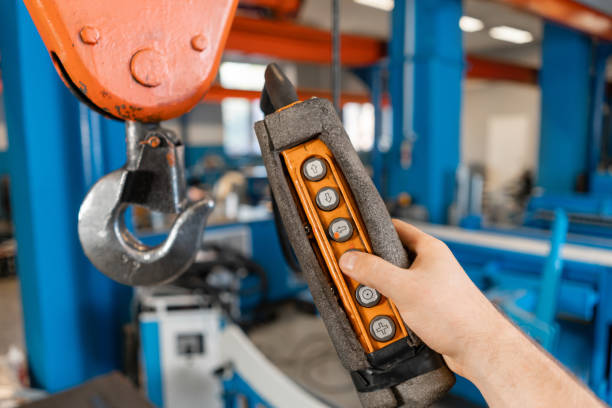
{"x": 335, "y": 227}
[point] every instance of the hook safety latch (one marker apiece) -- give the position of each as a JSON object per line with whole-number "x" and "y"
{"x": 154, "y": 178}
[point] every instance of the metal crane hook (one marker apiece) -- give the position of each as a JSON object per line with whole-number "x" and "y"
{"x": 153, "y": 177}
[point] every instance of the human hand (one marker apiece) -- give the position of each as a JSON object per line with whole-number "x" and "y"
{"x": 439, "y": 302}
{"x": 435, "y": 297}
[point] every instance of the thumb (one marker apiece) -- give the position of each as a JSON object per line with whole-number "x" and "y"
{"x": 374, "y": 272}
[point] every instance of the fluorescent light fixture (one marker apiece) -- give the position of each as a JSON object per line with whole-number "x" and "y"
{"x": 386, "y": 5}
{"x": 470, "y": 24}
{"x": 511, "y": 35}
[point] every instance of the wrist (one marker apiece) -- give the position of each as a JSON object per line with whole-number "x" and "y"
{"x": 491, "y": 337}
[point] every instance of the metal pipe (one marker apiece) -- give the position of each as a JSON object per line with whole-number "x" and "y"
{"x": 133, "y": 136}
{"x": 546, "y": 308}
{"x": 336, "y": 63}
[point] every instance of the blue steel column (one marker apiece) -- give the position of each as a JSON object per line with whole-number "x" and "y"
{"x": 609, "y": 134}
{"x": 426, "y": 69}
{"x": 565, "y": 84}
{"x": 373, "y": 76}
{"x": 72, "y": 314}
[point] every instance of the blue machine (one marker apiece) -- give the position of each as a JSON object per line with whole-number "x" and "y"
{"x": 564, "y": 303}
{"x": 589, "y": 215}
{"x": 578, "y": 132}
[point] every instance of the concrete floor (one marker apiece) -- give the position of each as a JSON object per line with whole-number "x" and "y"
{"x": 299, "y": 346}
{"x": 11, "y": 325}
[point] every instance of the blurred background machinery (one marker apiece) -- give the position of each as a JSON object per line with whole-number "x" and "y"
{"x": 488, "y": 124}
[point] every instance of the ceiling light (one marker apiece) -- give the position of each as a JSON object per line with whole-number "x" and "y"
{"x": 470, "y": 24}
{"x": 386, "y": 5}
{"x": 511, "y": 34}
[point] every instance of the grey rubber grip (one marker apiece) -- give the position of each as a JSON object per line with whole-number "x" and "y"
{"x": 295, "y": 125}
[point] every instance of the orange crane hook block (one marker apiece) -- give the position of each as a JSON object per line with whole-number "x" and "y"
{"x": 138, "y": 60}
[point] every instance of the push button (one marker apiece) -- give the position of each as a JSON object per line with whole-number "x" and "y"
{"x": 367, "y": 296}
{"x": 340, "y": 230}
{"x": 327, "y": 199}
{"x": 314, "y": 169}
{"x": 382, "y": 328}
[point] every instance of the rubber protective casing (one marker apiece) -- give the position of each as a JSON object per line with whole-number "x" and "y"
{"x": 287, "y": 128}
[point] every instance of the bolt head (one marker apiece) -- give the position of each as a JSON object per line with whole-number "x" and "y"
{"x": 199, "y": 42}
{"x": 89, "y": 35}
{"x": 149, "y": 67}
{"x": 153, "y": 141}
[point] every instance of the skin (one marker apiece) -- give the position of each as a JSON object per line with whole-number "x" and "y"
{"x": 439, "y": 302}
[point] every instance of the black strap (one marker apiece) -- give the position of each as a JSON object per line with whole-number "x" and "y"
{"x": 398, "y": 371}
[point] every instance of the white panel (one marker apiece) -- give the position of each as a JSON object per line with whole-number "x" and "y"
{"x": 485, "y": 100}
{"x": 189, "y": 381}
{"x": 507, "y": 149}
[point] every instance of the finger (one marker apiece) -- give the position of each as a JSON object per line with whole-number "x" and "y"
{"x": 411, "y": 236}
{"x": 373, "y": 271}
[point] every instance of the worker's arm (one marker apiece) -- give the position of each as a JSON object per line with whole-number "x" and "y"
{"x": 440, "y": 303}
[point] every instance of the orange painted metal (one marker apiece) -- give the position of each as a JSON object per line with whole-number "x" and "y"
{"x": 290, "y": 41}
{"x": 280, "y": 8}
{"x": 330, "y": 251}
{"x": 570, "y": 13}
{"x": 136, "y": 59}
{"x": 482, "y": 68}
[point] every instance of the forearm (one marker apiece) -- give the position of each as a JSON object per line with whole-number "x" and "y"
{"x": 517, "y": 373}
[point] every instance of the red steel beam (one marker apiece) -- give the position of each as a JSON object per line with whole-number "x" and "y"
{"x": 482, "y": 68}
{"x": 289, "y": 41}
{"x": 569, "y": 13}
{"x": 477, "y": 68}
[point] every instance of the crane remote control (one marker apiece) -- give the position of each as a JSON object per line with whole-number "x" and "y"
{"x": 328, "y": 205}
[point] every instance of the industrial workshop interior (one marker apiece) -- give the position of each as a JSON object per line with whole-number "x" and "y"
{"x": 259, "y": 203}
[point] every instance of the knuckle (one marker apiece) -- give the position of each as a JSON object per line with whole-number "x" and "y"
{"x": 437, "y": 244}
{"x": 363, "y": 263}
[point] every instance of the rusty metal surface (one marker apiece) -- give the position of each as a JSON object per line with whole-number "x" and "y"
{"x": 138, "y": 59}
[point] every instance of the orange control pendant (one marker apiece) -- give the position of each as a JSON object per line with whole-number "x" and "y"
{"x": 337, "y": 227}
